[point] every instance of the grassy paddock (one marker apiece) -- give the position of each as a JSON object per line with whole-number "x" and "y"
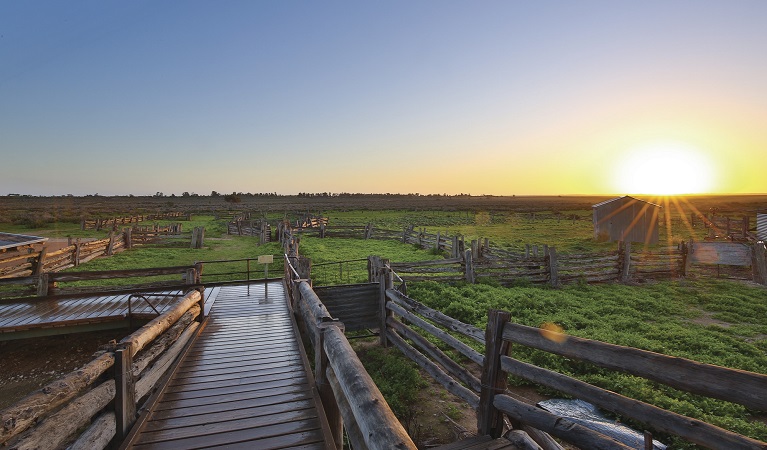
{"x": 711, "y": 321}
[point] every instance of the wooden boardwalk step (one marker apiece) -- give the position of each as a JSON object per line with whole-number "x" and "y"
{"x": 243, "y": 384}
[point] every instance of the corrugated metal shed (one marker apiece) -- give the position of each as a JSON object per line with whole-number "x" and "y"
{"x": 626, "y": 219}
{"x": 761, "y": 226}
{"x": 10, "y": 241}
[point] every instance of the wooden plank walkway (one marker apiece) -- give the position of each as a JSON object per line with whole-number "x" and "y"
{"x": 242, "y": 384}
{"x": 66, "y": 312}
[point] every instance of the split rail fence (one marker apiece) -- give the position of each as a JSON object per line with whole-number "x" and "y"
{"x": 481, "y": 260}
{"x": 114, "y": 223}
{"x": 415, "y": 328}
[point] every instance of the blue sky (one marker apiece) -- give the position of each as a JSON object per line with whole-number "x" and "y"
{"x": 481, "y": 97}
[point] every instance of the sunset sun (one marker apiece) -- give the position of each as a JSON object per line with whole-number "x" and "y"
{"x": 664, "y": 169}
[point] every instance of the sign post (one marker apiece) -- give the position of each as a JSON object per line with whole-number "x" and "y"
{"x": 266, "y": 260}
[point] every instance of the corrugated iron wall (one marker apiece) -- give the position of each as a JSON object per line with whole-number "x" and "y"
{"x": 356, "y": 305}
{"x": 761, "y": 226}
{"x": 627, "y": 219}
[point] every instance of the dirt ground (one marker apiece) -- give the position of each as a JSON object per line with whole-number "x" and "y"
{"x": 29, "y": 364}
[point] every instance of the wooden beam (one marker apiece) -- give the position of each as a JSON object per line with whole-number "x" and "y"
{"x": 693, "y": 430}
{"x": 739, "y": 386}
{"x": 378, "y": 425}
{"x": 560, "y": 427}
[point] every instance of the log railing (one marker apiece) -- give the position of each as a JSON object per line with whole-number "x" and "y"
{"x": 102, "y": 396}
{"x": 350, "y": 397}
{"x": 64, "y": 284}
{"x": 742, "y": 387}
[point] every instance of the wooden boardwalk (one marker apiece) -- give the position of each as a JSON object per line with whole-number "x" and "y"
{"x": 242, "y": 384}
{"x": 59, "y": 314}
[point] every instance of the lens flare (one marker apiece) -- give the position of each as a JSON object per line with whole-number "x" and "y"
{"x": 667, "y": 168}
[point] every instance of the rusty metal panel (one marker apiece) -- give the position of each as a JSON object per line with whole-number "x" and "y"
{"x": 726, "y": 253}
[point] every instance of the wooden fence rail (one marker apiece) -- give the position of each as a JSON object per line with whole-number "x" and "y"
{"x": 113, "y": 223}
{"x": 414, "y": 328}
{"x": 746, "y": 388}
{"x": 100, "y": 401}
{"x": 350, "y": 397}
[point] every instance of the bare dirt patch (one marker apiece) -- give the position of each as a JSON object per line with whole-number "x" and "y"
{"x": 29, "y": 364}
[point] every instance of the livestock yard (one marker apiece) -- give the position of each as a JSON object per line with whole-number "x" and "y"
{"x": 246, "y": 319}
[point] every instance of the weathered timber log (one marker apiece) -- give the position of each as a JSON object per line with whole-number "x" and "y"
{"x": 436, "y": 277}
{"x": 557, "y": 426}
{"x": 57, "y": 428}
{"x": 434, "y": 370}
{"x": 109, "y": 274}
{"x": 590, "y": 278}
{"x": 318, "y": 310}
{"x": 438, "y": 317}
{"x": 378, "y": 425}
{"x": 139, "y": 339}
{"x": 453, "y": 368}
{"x": 462, "y": 348}
{"x": 165, "y": 340}
{"x": 352, "y": 429}
{"x": 98, "y": 435}
{"x": 431, "y": 262}
{"x": 19, "y": 280}
{"x": 410, "y": 270}
{"x": 149, "y": 379}
{"x": 587, "y": 267}
{"x": 541, "y": 438}
{"x": 15, "y": 258}
{"x": 521, "y": 440}
{"x": 739, "y": 386}
{"x": 27, "y": 411}
{"x": 693, "y": 430}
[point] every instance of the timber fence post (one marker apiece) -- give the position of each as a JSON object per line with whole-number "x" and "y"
{"x": 76, "y": 253}
{"x": 552, "y": 261}
{"x": 40, "y": 261}
{"x": 125, "y": 391}
{"x": 325, "y": 389}
{"x": 110, "y": 246}
{"x": 759, "y": 263}
{"x": 385, "y": 282}
{"x": 469, "y": 267}
{"x": 626, "y": 261}
{"x": 494, "y": 379}
{"x": 42, "y": 285}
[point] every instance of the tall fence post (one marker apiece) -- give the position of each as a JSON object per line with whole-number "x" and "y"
{"x": 127, "y": 237}
{"x": 469, "y": 267}
{"x": 125, "y": 391}
{"x": 76, "y": 253}
{"x": 40, "y": 262}
{"x": 626, "y": 261}
{"x": 110, "y": 247}
{"x": 759, "y": 263}
{"x": 325, "y": 389}
{"x": 552, "y": 262}
{"x": 489, "y": 419}
{"x": 385, "y": 282}
{"x": 42, "y": 285}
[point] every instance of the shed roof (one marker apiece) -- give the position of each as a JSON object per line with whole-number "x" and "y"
{"x": 10, "y": 240}
{"x": 621, "y": 198}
